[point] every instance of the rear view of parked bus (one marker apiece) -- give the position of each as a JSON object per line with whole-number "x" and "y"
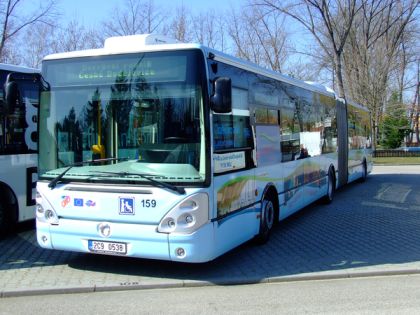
{"x": 18, "y": 144}
{"x": 156, "y": 149}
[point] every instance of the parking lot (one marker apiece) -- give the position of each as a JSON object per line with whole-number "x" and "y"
{"x": 370, "y": 228}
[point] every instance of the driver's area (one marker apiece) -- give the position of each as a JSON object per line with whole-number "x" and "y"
{"x": 167, "y": 130}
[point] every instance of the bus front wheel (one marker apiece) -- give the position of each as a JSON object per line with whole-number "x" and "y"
{"x": 266, "y": 220}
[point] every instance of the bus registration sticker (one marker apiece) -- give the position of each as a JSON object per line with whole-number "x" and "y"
{"x": 107, "y": 247}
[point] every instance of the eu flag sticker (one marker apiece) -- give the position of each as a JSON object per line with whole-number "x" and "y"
{"x": 78, "y": 202}
{"x": 126, "y": 205}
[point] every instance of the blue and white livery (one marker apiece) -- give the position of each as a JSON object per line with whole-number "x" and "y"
{"x": 157, "y": 149}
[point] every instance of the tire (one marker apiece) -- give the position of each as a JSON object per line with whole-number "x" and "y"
{"x": 268, "y": 215}
{"x": 7, "y": 219}
{"x": 4, "y": 219}
{"x": 328, "y": 198}
{"x": 364, "y": 174}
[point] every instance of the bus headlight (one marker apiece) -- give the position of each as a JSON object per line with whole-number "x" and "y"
{"x": 39, "y": 211}
{"x": 38, "y": 198}
{"x": 48, "y": 215}
{"x": 187, "y": 216}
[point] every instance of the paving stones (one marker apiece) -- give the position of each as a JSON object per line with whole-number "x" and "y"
{"x": 371, "y": 228}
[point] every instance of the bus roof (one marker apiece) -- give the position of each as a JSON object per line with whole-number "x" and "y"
{"x": 246, "y": 65}
{"x": 128, "y": 44}
{"x": 13, "y": 68}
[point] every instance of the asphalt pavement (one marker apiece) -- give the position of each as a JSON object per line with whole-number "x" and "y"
{"x": 370, "y": 229}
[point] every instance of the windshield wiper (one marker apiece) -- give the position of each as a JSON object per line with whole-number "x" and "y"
{"x": 55, "y": 180}
{"x": 179, "y": 190}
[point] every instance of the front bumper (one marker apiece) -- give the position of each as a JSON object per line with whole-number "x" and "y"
{"x": 143, "y": 241}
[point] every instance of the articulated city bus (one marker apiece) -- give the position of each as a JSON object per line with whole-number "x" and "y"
{"x": 163, "y": 150}
{"x": 18, "y": 144}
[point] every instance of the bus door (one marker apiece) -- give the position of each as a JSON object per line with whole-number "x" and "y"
{"x": 309, "y": 152}
{"x": 293, "y": 159}
{"x": 234, "y": 174}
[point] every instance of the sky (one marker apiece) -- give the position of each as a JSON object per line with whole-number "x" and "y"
{"x": 90, "y": 12}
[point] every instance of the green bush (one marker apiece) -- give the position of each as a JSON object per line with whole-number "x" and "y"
{"x": 395, "y": 125}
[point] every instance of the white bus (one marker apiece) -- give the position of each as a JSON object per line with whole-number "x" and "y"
{"x": 162, "y": 150}
{"x": 18, "y": 144}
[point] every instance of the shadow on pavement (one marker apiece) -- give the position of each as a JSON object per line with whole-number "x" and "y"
{"x": 368, "y": 224}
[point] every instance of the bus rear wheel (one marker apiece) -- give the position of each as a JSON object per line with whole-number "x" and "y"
{"x": 364, "y": 172}
{"x": 268, "y": 214}
{"x": 328, "y": 198}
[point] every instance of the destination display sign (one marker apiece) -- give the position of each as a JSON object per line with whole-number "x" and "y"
{"x": 120, "y": 69}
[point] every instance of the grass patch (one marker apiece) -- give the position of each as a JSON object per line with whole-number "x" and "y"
{"x": 396, "y": 160}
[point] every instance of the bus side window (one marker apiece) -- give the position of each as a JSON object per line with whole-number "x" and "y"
{"x": 232, "y": 132}
{"x": 289, "y": 135}
{"x": 311, "y": 135}
{"x": 268, "y": 136}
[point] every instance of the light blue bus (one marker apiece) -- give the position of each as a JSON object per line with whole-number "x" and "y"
{"x": 163, "y": 150}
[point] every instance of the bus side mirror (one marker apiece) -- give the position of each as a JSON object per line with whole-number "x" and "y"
{"x": 221, "y": 100}
{"x": 11, "y": 90}
{"x": 12, "y": 97}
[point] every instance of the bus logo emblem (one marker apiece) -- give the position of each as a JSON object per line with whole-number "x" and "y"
{"x": 126, "y": 205}
{"x": 90, "y": 203}
{"x": 65, "y": 200}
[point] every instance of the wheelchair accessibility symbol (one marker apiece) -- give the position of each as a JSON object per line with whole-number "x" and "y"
{"x": 126, "y": 205}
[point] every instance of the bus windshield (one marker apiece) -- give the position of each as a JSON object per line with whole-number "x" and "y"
{"x": 145, "y": 107}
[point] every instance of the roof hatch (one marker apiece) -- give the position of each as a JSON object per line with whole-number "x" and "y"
{"x": 137, "y": 41}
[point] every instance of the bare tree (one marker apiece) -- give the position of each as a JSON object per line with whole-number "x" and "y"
{"x": 179, "y": 28}
{"x": 306, "y": 69}
{"x": 208, "y": 29}
{"x": 242, "y": 36}
{"x": 44, "y": 39}
{"x": 328, "y": 21}
{"x": 374, "y": 47}
{"x": 13, "y": 20}
{"x": 270, "y": 31}
{"x": 414, "y": 111}
{"x": 259, "y": 36}
{"x": 37, "y": 43}
{"x": 407, "y": 56}
{"x": 75, "y": 36}
{"x": 135, "y": 17}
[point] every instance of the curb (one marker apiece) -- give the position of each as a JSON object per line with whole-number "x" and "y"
{"x": 193, "y": 283}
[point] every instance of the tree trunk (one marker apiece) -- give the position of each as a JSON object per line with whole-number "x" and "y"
{"x": 339, "y": 73}
{"x": 4, "y": 28}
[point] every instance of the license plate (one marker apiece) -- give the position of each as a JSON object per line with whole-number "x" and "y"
{"x": 107, "y": 247}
